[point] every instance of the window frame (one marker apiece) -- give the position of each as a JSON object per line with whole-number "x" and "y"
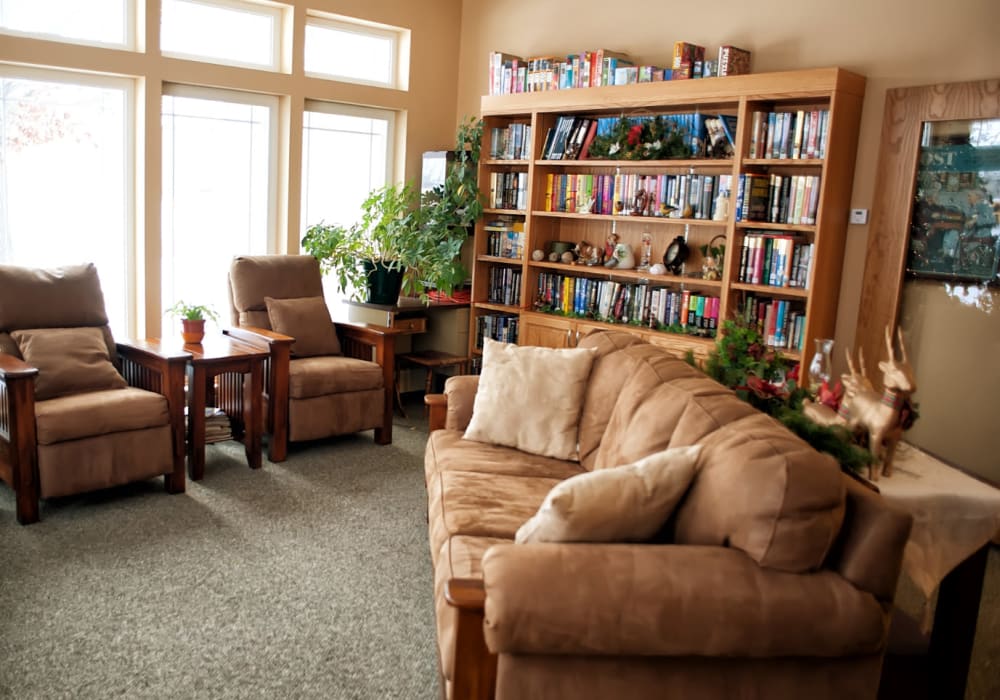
{"x": 133, "y": 301}
{"x": 348, "y": 25}
{"x": 133, "y": 18}
{"x": 253, "y": 8}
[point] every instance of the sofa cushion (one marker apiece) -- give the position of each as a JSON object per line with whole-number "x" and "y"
{"x": 530, "y": 398}
{"x": 447, "y": 451}
{"x": 627, "y": 503}
{"x": 331, "y": 374}
{"x": 98, "y": 413}
{"x": 308, "y": 321}
{"x": 482, "y": 505}
{"x": 69, "y": 360}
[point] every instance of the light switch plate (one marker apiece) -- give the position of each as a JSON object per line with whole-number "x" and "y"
{"x": 859, "y": 216}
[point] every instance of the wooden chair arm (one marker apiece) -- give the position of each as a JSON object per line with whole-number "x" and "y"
{"x": 366, "y": 341}
{"x": 14, "y": 367}
{"x": 437, "y": 405}
{"x": 276, "y": 378}
{"x": 18, "y": 465}
{"x": 256, "y": 336}
{"x": 475, "y": 668}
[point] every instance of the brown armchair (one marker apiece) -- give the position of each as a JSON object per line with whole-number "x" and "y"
{"x": 79, "y": 412}
{"x": 323, "y": 379}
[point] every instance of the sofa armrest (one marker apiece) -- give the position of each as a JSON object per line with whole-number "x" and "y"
{"x": 461, "y": 395}
{"x": 669, "y": 600}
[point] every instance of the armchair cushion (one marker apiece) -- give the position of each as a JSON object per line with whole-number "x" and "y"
{"x": 331, "y": 374}
{"x": 308, "y": 321}
{"x": 628, "y": 503}
{"x": 99, "y": 413}
{"x": 69, "y": 360}
{"x": 508, "y": 409}
{"x": 59, "y": 297}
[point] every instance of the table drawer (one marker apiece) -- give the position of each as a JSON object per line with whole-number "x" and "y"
{"x": 410, "y": 324}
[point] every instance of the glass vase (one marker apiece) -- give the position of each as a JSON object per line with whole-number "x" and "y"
{"x": 821, "y": 366}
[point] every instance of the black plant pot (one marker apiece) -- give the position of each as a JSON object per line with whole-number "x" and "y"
{"x": 384, "y": 283}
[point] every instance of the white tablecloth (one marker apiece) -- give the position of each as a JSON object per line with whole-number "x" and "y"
{"x": 953, "y": 514}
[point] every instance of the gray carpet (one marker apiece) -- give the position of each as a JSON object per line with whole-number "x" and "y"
{"x": 307, "y": 579}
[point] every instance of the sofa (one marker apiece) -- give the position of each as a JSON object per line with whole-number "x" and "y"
{"x": 773, "y": 577}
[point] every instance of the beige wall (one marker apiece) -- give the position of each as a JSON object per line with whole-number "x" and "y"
{"x": 426, "y": 110}
{"x": 893, "y": 43}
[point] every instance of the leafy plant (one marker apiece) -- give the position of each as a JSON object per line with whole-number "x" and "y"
{"x": 642, "y": 138}
{"x": 404, "y": 231}
{"x": 193, "y": 312}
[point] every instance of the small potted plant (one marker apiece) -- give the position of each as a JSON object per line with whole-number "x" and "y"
{"x": 192, "y": 318}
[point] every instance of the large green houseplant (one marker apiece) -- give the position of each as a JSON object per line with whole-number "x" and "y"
{"x": 403, "y": 235}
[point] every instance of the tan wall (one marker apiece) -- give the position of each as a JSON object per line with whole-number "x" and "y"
{"x": 427, "y": 109}
{"x": 893, "y": 43}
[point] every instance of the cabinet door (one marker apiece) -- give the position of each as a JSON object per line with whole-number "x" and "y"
{"x": 678, "y": 346}
{"x": 547, "y": 332}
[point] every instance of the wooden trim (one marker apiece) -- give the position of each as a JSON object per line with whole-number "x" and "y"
{"x": 475, "y": 668}
{"x": 437, "y": 405}
{"x": 21, "y": 452}
{"x": 383, "y": 343}
{"x": 906, "y": 110}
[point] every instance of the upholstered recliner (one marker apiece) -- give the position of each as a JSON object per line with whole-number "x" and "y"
{"x": 324, "y": 379}
{"x": 79, "y": 412}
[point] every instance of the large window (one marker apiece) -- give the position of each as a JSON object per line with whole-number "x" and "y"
{"x": 92, "y": 22}
{"x": 352, "y": 52}
{"x": 66, "y": 184}
{"x": 219, "y": 177}
{"x": 221, "y": 31}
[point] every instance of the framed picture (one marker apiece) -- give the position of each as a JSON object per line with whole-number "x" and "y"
{"x": 955, "y": 221}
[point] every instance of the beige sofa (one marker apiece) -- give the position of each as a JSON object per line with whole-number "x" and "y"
{"x": 774, "y": 577}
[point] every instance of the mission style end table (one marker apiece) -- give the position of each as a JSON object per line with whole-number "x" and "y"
{"x": 228, "y": 374}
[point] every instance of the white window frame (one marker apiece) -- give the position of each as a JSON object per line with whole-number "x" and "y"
{"x": 128, "y": 86}
{"x": 132, "y": 19}
{"x": 253, "y": 8}
{"x": 346, "y": 24}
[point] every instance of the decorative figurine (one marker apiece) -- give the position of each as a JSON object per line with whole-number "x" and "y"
{"x": 538, "y": 255}
{"x": 609, "y": 246}
{"x": 624, "y": 256}
{"x": 647, "y": 251}
{"x": 658, "y": 269}
{"x": 586, "y": 207}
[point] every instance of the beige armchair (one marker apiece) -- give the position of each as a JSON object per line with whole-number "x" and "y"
{"x": 79, "y": 412}
{"x": 323, "y": 379}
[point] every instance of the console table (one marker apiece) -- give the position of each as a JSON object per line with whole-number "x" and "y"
{"x": 955, "y": 518}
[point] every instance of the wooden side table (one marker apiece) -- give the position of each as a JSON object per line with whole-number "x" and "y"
{"x": 229, "y": 374}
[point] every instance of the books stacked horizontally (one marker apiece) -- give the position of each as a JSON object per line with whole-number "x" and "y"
{"x": 217, "y": 427}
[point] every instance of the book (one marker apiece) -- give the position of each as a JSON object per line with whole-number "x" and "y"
{"x": 733, "y": 61}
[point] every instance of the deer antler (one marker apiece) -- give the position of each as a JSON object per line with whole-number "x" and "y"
{"x": 888, "y": 344}
{"x": 902, "y": 345}
{"x": 850, "y": 362}
{"x": 861, "y": 361}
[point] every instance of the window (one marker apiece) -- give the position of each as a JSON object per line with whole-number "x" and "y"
{"x": 219, "y": 174}
{"x": 357, "y": 53}
{"x": 66, "y": 183}
{"x": 346, "y": 153}
{"x": 92, "y": 22}
{"x": 221, "y": 31}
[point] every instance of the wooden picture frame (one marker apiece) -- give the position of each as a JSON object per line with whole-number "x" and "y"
{"x": 906, "y": 111}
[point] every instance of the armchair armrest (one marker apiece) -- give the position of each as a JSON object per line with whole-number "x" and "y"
{"x": 18, "y": 466}
{"x": 669, "y": 600}
{"x": 378, "y": 344}
{"x": 258, "y": 336}
{"x": 147, "y": 366}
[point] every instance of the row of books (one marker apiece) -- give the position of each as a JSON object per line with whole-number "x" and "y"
{"x": 504, "y": 285}
{"x": 512, "y": 142}
{"x": 572, "y": 136}
{"x": 781, "y": 323}
{"x": 499, "y": 327}
{"x": 510, "y": 74}
{"x": 623, "y": 302}
{"x": 508, "y": 190}
{"x": 217, "y": 425}
{"x": 675, "y": 196}
{"x": 775, "y": 260}
{"x": 505, "y": 238}
{"x": 778, "y": 199}
{"x": 794, "y": 135}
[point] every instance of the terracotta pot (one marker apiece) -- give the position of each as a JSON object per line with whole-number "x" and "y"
{"x": 192, "y": 330}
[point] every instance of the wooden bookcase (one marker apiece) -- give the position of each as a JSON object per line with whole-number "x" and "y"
{"x": 833, "y": 89}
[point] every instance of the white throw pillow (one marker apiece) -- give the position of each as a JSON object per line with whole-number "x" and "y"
{"x": 622, "y": 504}
{"x": 530, "y": 398}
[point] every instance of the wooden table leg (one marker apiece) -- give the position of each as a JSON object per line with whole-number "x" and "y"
{"x": 196, "y": 421}
{"x": 954, "y": 629}
{"x": 253, "y": 413}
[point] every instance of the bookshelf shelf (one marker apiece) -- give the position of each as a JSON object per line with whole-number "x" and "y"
{"x": 833, "y": 93}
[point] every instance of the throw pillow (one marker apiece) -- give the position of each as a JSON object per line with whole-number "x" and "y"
{"x": 69, "y": 360}
{"x": 530, "y": 398}
{"x": 308, "y": 321}
{"x": 623, "y": 504}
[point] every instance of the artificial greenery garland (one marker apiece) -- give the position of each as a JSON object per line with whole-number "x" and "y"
{"x": 642, "y": 138}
